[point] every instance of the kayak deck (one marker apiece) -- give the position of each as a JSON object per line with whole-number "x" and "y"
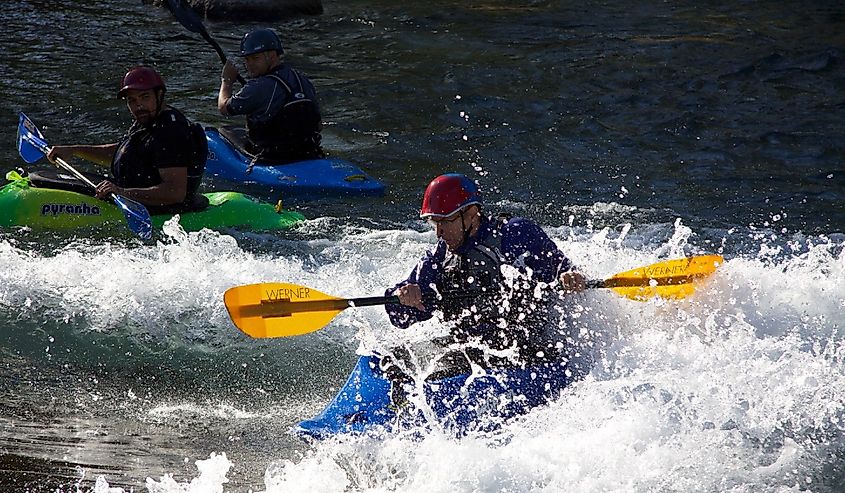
{"x": 311, "y": 179}
{"x": 63, "y": 210}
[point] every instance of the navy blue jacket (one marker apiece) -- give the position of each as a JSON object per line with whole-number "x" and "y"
{"x": 524, "y": 245}
{"x": 283, "y": 116}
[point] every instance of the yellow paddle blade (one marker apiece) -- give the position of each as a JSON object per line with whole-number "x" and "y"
{"x": 671, "y": 279}
{"x": 280, "y": 309}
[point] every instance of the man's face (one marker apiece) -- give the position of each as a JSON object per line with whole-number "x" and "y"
{"x": 258, "y": 64}
{"x": 451, "y": 229}
{"x": 142, "y": 105}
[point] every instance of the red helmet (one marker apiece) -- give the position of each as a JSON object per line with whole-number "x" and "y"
{"x": 141, "y": 78}
{"x": 447, "y": 194}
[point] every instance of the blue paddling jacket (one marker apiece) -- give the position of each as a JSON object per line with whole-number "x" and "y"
{"x": 508, "y": 312}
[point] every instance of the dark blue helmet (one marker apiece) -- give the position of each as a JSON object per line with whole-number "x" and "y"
{"x": 261, "y": 40}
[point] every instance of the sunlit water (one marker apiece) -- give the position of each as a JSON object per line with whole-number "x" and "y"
{"x": 632, "y": 134}
{"x": 121, "y": 356}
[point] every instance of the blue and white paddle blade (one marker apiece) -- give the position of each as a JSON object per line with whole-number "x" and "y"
{"x": 137, "y": 216}
{"x": 31, "y": 145}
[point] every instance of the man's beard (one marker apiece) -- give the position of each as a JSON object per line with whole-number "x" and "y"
{"x": 144, "y": 118}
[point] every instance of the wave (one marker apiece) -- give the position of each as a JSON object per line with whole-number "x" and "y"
{"x": 737, "y": 388}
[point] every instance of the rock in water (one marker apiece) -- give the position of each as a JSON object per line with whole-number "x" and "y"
{"x": 243, "y": 10}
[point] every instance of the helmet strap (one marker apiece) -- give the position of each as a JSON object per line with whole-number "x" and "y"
{"x": 159, "y": 100}
{"x": 464, "y": 228}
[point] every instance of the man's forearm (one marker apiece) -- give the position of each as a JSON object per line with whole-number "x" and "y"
{"x": 98, "y": 154}
{"x": 224, "y": 95}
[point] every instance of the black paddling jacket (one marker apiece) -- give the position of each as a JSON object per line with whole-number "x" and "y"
{"x": 171, "y": 141}
{"x": 283, "y": 117}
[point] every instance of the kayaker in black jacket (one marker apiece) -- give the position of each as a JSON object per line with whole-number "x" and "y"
{"x": 280, "y": 104}
{"x": 160, "y": 161}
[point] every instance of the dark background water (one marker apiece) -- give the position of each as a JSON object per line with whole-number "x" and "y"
{"x": 728, "y": 116}
{"x": 719, "y": 113}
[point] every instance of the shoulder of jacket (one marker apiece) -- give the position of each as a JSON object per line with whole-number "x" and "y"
{"x": 517, "y": 225}
{"x": 171, "y": 114}
{"x": 172, "y": 120}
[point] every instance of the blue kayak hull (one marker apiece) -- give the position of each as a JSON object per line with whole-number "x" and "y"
{"x": 461, "y": 404}
{"x": 314, "y": 178}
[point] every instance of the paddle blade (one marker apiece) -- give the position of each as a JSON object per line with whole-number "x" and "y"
{"x": 280, "y": 309}
{"x": 137, "y": 216}
{"x": 672, "y": 279}
{"x": 31, "y": 145}
{"x": 186, "y": 16}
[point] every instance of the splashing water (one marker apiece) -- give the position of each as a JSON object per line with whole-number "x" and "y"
{"x": 738, "y": 388}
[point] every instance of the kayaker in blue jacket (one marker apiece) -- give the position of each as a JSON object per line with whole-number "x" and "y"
{"x": 508, "y": 319}
{"x": 160, "y": 161}
{"x": 282, "y": 115}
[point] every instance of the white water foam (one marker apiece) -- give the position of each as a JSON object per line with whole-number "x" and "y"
{"x": 738, "y": 388}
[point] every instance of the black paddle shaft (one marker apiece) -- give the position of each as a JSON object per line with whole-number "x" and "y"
{"x": 428, "y": 298}
{"x": 373, "y": 300}
{"x": 189, "y": 18}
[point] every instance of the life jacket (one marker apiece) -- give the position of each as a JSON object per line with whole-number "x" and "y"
{"x": 478, "y": 269}
{"x": 521, "y": 321}
{"x": 133, "y": 164}
{"x": 294, "y": 132}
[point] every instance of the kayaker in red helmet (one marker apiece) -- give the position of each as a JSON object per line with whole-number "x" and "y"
{"x": 160, "y": 161}
{"x": 504, "y": 321}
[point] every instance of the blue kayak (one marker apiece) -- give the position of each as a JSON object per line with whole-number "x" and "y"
{"x": 460, "y": 404}
{"x": 314, "y": 178}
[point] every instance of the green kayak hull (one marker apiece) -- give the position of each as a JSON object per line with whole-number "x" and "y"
{"x": 22, "y": 204}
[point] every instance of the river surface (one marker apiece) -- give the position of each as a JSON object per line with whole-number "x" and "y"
{"x": 633, "y": 132}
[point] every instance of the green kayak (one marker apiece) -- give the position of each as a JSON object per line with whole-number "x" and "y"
{"x": 23, "y": 204}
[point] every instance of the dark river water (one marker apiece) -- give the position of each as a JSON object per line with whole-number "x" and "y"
{"x": 631, "y": 131}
